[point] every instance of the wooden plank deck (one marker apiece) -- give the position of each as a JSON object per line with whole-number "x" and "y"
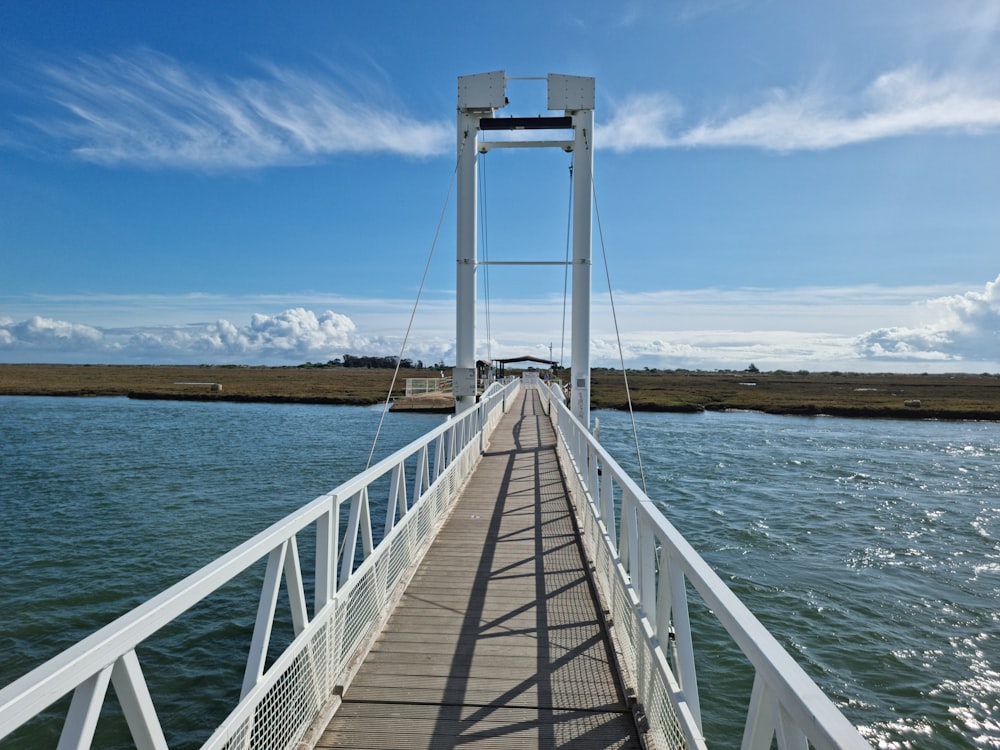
{"x": 497, "y": 642}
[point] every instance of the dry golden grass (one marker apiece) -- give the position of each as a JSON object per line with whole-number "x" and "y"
{"x": 957, "y": 396}
{"x": 861, "y": 395}
{"x": 307, "y": 384}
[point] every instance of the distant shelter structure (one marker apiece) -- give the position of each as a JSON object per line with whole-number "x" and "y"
{"x": 499, "y": 365}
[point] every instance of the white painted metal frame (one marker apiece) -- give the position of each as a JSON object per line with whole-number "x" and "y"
{"x": 644, "y": 568}
{"x": 479, "y": 96}
{"x": 355, "y": 591}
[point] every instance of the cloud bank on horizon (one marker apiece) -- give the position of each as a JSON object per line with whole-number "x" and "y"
{"x": 962, "y": 331}
{"x": 968, "y": 328}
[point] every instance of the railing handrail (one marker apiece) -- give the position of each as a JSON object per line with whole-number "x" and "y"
{"x": 39, "y": 688}
{"x": 108, "y": 655}
{"x": 782, "y": 690}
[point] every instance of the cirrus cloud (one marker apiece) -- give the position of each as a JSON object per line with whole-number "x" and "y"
{"x": 901, "y": 102}
{"x": 148, "y": 109}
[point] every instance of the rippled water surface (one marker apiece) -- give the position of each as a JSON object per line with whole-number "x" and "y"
{"x": 871, "y": 549}
{"x": 107, "y": 501}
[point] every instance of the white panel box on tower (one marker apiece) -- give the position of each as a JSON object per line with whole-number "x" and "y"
{"x": 571, "y": 93}
{"x": 483, "y": 91}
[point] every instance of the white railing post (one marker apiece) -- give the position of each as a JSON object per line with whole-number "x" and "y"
{"x": 439, "y": 453}
{"x": 295, "y": 587}
{"x": 326, "y": 557}
{"x": 664, "y": 597}
{"x": 421, "y": 475}
{"x": 759, "y": 729}
{"x": 265, "y": 618}
{"x": 137, "y": 704}
{"x": 687, "y": 674}
{"x": 646, "y": 575}
{"x": 628, "y": 534}
{"x": 593, "y": 466}
{"x": 608, "y": 502}
{"x": 397, "y": 497}
{"x": 788, "y": 733}
{"x": 84, "y": 711}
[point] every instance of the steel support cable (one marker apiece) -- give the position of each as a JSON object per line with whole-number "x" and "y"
{"x": 614, "y": 316}
{"x": 416, "y": 302}
{"x": 484, "y": 234}
{"x": 569, "y": 237}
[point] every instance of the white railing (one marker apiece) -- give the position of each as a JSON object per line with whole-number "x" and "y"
{"x": 357, "y": 582}
{"x": 416, "y": 386}
{"x": 644, "y": 568}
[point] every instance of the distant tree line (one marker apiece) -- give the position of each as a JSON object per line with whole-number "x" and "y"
{"x": 382, "y": 363}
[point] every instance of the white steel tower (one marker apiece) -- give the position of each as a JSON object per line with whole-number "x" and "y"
{"x": 479, "y": 97}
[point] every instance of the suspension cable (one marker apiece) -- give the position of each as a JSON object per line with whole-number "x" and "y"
{"x": 416, "y": 302}
{"x": 614, "y": 316}
{"x": 569, "y": 234}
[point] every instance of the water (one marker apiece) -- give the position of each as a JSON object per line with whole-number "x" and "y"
{"x": 107, "y": 501}
{"x": 871, "y": 549}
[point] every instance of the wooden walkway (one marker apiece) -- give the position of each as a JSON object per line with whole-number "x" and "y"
{"x": 497, "y": 642}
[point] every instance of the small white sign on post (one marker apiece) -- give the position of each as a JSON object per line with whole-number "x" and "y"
{"x": 464, "y": 381}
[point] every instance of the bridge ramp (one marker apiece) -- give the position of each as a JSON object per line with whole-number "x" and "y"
{"x": 497, "y": 642}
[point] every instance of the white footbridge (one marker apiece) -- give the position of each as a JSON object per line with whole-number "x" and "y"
{"x": 499, "y": 582}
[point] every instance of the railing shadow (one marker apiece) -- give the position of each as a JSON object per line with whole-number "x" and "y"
{"x": 564, "y": 647}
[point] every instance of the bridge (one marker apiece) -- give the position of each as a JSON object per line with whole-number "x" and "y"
{"x": 500, "y": 638}
{"x": 498, "y": 582}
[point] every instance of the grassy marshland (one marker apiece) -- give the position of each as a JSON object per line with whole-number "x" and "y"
{"x": 842, "y": 394}
{"x": 838, "y": 394}
{"x": 338, "y": 385}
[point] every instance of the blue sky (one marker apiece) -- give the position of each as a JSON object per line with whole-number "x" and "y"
{"x": 795, "y": 185}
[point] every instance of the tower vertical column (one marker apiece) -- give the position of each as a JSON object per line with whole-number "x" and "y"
{"x": 583, "y": 170}
{"x": 464, "y": 377}
{"x": 478, "y": 97}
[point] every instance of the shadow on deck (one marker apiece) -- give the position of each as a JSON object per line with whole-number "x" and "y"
{"x": 497, "y": 641}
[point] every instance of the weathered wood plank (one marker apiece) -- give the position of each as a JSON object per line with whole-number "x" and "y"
{"x": 497, "y": 641}
{"x": 384, "y": 726}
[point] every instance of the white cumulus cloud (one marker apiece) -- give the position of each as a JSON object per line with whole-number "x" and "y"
{"x": 45, "y": 333}
{"x": 293, "y": 336}
{"x": 943, "y": 329}
{"x": 967, "y": 327}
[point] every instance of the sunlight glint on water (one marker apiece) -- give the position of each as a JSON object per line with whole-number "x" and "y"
{"x": 871, "y": 549}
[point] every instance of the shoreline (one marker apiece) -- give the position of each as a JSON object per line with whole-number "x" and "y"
{"x": 792, "y": 411}
{"x": 852, "y": 395}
